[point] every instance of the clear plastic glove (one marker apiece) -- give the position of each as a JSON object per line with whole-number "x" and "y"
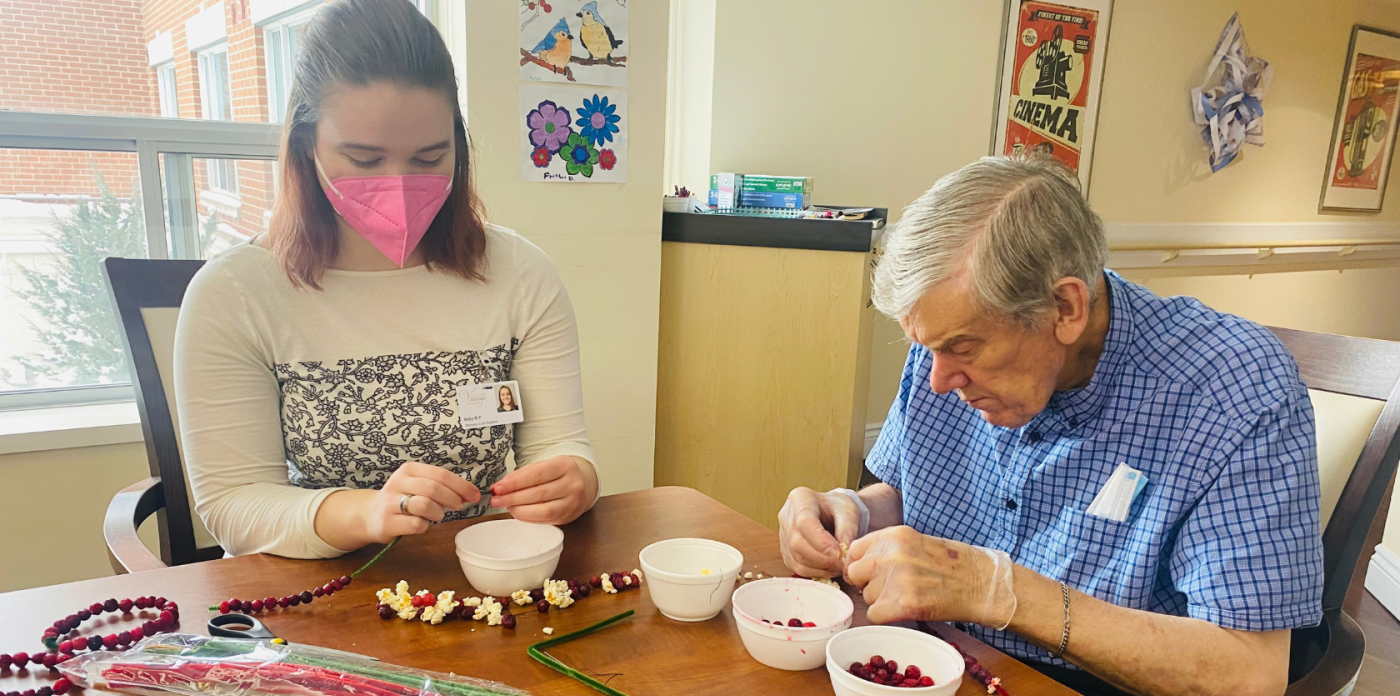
{"x": 908, "y": 576}
{"x": 813, "y": 527}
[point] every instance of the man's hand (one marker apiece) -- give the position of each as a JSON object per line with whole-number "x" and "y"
{"x": 908, "y": 576}
{"x": 554, "y": 491}
{"x": 805, "y": 527}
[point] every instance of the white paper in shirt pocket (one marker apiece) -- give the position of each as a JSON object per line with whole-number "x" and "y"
{"x": 1117, "y": 496}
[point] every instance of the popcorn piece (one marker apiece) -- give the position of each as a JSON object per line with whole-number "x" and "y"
{"x": 471, "y": 601}
{"x": 760, "y": 576}
{"x": 490, "y": 610}
{"x": 521, "y": 597}
{"x": 704, "y": 571}
{"x": 439, "y": 611}
{"x": 844, "y": 550}
{"x": 748, "y": 575}
{"x": 828, "y": 581}
{"x": 548, "y": 631}
{"x": 608, "y": 586}
{"x": 638, "y": 572}
{"x": 993, "y": 684}
{"x": 556, "y": 592}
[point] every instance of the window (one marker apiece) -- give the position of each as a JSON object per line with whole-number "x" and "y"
{"x": 75, "y": 189}
{"x": 280, "y": 47}
{"x": 165, "y": 86}
{"x": 221, "y": 175}
{"x": 426, "y": 7}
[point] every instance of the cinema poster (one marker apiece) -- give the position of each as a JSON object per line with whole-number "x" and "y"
{"x": 1052, "y": 68}
{"x": 1364, "y": 133}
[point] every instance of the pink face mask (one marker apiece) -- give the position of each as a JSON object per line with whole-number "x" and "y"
{"x": 392, "y": 211}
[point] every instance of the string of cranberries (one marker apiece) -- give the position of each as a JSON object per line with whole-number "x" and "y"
{"x": 61, "y": 644}
{"x": 254, "y": 606}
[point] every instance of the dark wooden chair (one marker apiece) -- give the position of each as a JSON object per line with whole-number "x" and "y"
{"x": 147, "y": 296}
{"x": 1355, "y": 388}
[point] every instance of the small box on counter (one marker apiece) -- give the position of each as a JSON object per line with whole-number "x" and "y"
{"x": 763, "y": 199}
{"x": 766, "y": 183}
{"x": 727, "y": 185}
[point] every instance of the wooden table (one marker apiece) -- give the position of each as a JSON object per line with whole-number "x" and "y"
{"x": 649, "y": 653}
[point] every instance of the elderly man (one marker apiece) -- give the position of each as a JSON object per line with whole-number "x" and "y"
{"x": 1034, "y": 374}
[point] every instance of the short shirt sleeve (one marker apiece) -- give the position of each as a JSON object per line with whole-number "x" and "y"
{"x": 1249, "y": 557}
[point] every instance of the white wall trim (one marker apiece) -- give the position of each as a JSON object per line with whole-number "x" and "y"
{"x": 872, "y": 433}
{"x": 160, "y": 49}
{"x": 268, "y": 11}
{"x": 689, "y": 95}
{"x": 68, "y": 427}
{"x": 1383, "y": 579}
{"x": 206, "y": 28}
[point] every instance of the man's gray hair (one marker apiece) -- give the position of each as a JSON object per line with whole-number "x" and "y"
{"x": 1013, "y": 226}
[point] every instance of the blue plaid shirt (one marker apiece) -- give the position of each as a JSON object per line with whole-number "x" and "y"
{"x": 1208, "y": 405}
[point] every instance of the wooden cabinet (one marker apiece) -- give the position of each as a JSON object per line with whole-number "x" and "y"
{"x": 764, "y": 357}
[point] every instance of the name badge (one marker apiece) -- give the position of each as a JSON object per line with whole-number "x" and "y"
{"x": 1117, "y": 496}
{"x": 485, "y": 405}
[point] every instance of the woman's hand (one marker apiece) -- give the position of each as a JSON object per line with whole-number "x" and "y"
{"x": 434, "y": 491}
{"x": 553, "y": 491}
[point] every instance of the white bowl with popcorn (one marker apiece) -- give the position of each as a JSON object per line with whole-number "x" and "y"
{"x": 690, "y": 579}
{"x": 502, "y": 556}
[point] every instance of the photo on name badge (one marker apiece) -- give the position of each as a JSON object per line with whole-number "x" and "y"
{"x": 492, "y": 403}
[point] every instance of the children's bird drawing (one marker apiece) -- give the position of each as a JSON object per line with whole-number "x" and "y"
{"x": 556, "y": 47}
{"x": 596, "y": 35}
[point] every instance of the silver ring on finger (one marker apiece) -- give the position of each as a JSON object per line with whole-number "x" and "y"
{"x": 403, "y": 504}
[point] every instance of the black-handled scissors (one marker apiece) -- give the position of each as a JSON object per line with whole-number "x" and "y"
{"x": 249, "y": 628}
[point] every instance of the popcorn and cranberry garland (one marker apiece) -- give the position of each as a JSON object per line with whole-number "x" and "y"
{"x": 974, "y": 668}
{"x": 61, "y": 644}
{"x": 434, "y": 609}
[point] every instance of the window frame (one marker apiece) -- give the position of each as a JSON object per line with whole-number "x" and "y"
{"x": 279, "y": 59}
{"x": 167, "y": 90}
{"x": 149, "y": 138}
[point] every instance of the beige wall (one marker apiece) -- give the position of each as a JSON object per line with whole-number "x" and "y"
{"x": 54, "y": 532}
{"x": 604, "y": 238}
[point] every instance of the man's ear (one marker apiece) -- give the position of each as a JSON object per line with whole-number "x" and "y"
{"x": 1071, "y": 309}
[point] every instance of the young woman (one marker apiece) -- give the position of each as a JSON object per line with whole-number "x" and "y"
{"x": 316, "y": 368}
{"x": 505, "y": 400}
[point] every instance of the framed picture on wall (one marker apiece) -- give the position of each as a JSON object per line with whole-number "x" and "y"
{"x": 1051, "y": 70}
{"x": 1363, "y": 135}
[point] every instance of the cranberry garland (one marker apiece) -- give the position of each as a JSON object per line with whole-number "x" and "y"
{"x": 974, "y": 668}
{"x": 61, "y": 645}
{"x": 305, "y": 597}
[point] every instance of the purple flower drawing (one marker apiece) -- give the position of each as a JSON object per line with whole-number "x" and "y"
{"x": 549, "y": 126}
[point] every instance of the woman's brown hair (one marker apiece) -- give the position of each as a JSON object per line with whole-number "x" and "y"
{"x": 358, "y": 42}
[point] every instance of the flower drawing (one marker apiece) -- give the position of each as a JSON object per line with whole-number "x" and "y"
{"x": 598, "y": 119}
{"x": 579, "y": 157}
{"x": 541, "y": 156}
{"x": 607, "y": 159}
{"x": 549, "y": 126}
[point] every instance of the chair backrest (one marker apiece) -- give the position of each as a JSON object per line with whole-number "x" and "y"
{"x": 147, "y": 296}
{"x": 1354, "y": 384}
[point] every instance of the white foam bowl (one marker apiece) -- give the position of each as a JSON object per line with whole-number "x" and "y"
{"x": 676, "y": 578}
{"x": 502, "y": 556}
{"x": 780, "y": 599}
{"x": 905, "y": 646}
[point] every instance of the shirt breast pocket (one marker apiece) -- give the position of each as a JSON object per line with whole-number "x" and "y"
{"x": 1096, "y": 552}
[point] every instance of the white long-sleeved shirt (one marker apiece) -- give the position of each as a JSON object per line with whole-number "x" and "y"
{"x": 286, "y": 395}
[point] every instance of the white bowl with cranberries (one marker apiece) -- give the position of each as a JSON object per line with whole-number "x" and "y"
{"x": 785, "y": 623}
{"x": 859, "y": 662}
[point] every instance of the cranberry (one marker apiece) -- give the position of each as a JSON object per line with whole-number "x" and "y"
{"x": 21, "y": 659}
{"x": 318, "y": 592}
{"x": 257, "y": 605}
{"x": 269, "y": 603}
{"x": 345, "y": 581}
{"x": 62, "y": 686}
{"x": 149, "y": 628}
{"x": 925, "y": 681}
{"x": 66, "y": 646}
{"x": 508, "y": 621}
{"x": 84, "y": 615}
{"x": 543, "y": 606}
{"x": 877, "y": 679}
{"x": 584, "y": 590}
{"x": 294, "y": 599}
{"x": 537, "y": 594}
{"x": 159, "y": 603}
{"x": 335, "y": 585}
{"x": 225, "y": 607}
{"x": 44, "y": 691}
{"x": 326, "y": 588}
{"x": 795, "y": 623}
{"x": 235, "y": 604}
{"x": 124, "y": 638}
{"x": 284, "y": 602}
{"x": 140, "y": 602}
{"x": 49, "y": 660}
{"x": 910, "y": 683}
{"x": 80, "y": 643}
{"x": 137, "y": 633}
{"x": 855, "y": 668}
{"x": 95, "y": 608}
{"x": 386, "y": 612}
{"x": 912, "y": 672}
{"x": 125, "y": 606}
{"x": 306, "y": 596}
{"x": 596, "y": 581}
{"x": 877, "y": 662}
{"x": 808, "y": 624}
